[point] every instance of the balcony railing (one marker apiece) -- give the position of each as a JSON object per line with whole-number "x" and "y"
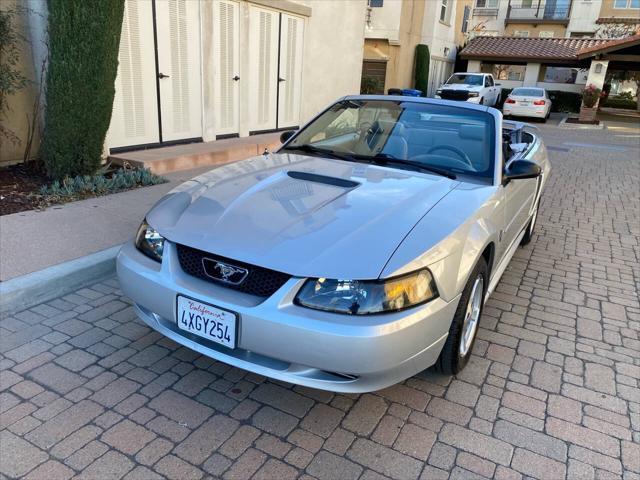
{"x": 539, "y": 11}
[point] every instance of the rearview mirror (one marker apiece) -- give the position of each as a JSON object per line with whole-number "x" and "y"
{"x": 284, "y": 136}
{"x": 521, "y": 169}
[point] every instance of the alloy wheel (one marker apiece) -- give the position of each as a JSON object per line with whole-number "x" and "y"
{"x": 472, "y": 316}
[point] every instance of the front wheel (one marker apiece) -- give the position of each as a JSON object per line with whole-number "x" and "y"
{"x": 462, "y": 333}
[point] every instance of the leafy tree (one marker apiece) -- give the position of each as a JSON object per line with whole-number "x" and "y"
{"x": 11, "y": 78}
{"x": 84, "y": 38}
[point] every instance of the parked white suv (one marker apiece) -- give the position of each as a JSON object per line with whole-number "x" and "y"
{"x": 471, "y": 87}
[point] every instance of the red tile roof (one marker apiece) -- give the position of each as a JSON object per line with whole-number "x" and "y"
{"x": 524, "y": 48}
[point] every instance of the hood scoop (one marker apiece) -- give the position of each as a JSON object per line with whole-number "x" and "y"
{"x": 325, "y": 180}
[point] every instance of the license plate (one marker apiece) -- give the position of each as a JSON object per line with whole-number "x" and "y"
{"x": 525, "y": 104}
{"x": 207, "y": 321}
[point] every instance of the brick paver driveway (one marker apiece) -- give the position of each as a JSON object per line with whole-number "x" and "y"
{"x": 551, "y": 391}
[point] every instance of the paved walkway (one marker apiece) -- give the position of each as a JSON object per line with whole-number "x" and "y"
{"x": 551, "y": 391}
{"x": 33, "y": 240}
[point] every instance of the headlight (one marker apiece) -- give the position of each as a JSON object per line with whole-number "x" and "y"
{"x": 364, "y": 297}
{"x": 439, "y": 91}
{"x": 149, "y": 241}
{"x": 473, "y": 94}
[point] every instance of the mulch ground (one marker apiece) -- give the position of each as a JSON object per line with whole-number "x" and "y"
{"x": 19, "y": 187}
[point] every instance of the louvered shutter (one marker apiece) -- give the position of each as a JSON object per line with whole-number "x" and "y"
{"x": 226, "y": 52}
{"x": 134, "y": 120}
{"x": 291, "y": 48}
{"x": 263, "y": 68}
{"x": 178, "y": 27}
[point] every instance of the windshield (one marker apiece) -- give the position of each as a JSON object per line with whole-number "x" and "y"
{"x": 465, "y": 79}
{"x": 446, "y": 138}
{"x": 527, "y": 92}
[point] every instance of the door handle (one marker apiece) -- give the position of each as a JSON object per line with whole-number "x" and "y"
{"x": 281, "y": 79}
{"x": 162, "y": 75}
{"x": 236, "y": 78}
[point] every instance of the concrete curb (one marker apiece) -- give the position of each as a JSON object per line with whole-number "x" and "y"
{"x": 34, "y": 288}
{"x": 576, "y": 126}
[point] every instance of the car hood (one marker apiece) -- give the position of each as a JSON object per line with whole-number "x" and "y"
{"x": 461, "y": 86}
{"x": 303, "y": 215}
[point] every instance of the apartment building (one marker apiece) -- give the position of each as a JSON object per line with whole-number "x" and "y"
{"x": 393, "y": 28}
{"x": 547, "y": 18}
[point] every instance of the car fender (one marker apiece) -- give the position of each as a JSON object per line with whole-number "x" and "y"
{"x": 450, "y": 238}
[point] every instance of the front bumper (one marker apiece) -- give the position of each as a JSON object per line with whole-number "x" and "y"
{"x": 287, "y": 342}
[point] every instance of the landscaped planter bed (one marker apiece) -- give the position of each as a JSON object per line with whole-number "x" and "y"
{"x": 24, "y": 187}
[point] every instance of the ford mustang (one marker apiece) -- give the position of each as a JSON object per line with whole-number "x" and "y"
{"x": 357, "y": 255}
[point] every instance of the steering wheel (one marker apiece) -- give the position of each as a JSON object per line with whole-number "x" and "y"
{"x": 453, "y": 149}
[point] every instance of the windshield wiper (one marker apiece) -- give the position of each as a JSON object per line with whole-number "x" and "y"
{"x": 379, "y": 159}
{"x": 308, "y": 148}
{"x": 386, "y": 159}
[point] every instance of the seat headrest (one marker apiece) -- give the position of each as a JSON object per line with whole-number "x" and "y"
{"x": 471, "y": 132}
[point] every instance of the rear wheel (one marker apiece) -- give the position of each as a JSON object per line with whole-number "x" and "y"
{"x": 462, "y": 333}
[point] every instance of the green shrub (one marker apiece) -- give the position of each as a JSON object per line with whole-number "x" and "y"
{"x": 617, "y": 102}
{"x": 84, "y": 37}
{"x": 625, "y": 95}
{"x": 371, "y": 85}
{"x": 71, "y": 188}
{"x": 591, "y": 95}
{"x": 421, "y": 80}
{"x": 566, "y": 102}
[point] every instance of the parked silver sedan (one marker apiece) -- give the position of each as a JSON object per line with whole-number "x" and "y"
{"x": 359, "y": 254}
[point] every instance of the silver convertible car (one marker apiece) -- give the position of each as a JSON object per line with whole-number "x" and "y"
{"x": 357, "y": 255}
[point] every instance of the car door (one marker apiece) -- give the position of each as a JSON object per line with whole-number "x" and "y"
{"x": 488, "y": 82}
{"x": 519, "y": 196}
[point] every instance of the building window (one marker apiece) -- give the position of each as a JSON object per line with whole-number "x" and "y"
{"x": 486, "y": 3}
{"x": 501, "y": 71}
{"x": 582, "y": 34}
{"x": 560, "y": 75}
{"x": 465, "y": 18}
{"x": 376, "y": 3}
{"x": 444, "y": 11}
{"x": 521, "y": 33}
{"x": 545, "y": 34}
{"x": 621, "y": 4}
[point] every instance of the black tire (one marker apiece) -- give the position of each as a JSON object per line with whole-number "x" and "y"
{"x": 450, "y": 361}
{"x": 531, "y": 226}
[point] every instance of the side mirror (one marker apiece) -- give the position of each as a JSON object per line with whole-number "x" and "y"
{"x": 284, "y": 136}
{"x": 521, "y": 169}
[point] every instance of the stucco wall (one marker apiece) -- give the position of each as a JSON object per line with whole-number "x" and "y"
{"x": 584, "y": 14}
{"x": 401, "y": 52}
{"x": 384, "y": 22}
{"x": 20, "y": 104}
{"x": 333, "y": 46}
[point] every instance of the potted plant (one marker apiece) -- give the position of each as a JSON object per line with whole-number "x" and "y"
{"x": 589, "y": 108}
